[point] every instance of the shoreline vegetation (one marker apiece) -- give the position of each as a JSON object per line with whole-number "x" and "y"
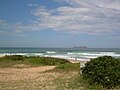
{"x": 41, "y": 73}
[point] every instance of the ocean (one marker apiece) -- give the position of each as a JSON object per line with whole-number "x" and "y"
{"x": 66, "y": 53}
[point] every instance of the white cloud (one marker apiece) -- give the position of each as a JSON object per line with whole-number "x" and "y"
{"x": 32, "y": 5}
{"x": 41, "y": 12}
{"x": 80, "y": 16}
{"x": 3, "y": 22}
{"x": 67, "y": 10}
{"x": 110, "y": 4}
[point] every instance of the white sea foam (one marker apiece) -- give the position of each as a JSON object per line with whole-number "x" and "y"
{"x": 110, "y": 54}
{"x": 100, "y": 54}
{"x": 47, "y": 56}
{"x": 70, "y": 58}
{"x": 79, "y": 59}
{"x": 60, "y": 56}
{"x": 50, "y": 52}
{"x": 38, "y": 54}
{"x": 69, "y": 53}
{"x": 24, "y": 54}
{"x": 82, "y": 56}
{"x": 89, "y": 57}
{"x": 90, "y": 54}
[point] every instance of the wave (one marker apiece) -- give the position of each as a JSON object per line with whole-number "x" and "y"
{"x": 50, "y": 52}
{"x": 69, "y": 53}
{"x": 89, "y": 55}
{"x": 110, "y": 54}
{"x": 60, "y": 56}
{"x": 99, "y": 54}
{"x": 24, "y": 54}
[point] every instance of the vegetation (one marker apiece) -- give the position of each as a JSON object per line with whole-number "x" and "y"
{"x": 69, "y": 66}
{"x": 15, "y": 57}
{"x": 69, "y": 78}
{"x": 48, "y": 61}
{"x": 65, "y": 76}
{"x": 104, "y": 71}
{"x": 9, "y": 61}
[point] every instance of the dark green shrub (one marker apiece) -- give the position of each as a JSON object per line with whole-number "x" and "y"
{"x": 103, "y": 70}
{"x": 15, "y": 57}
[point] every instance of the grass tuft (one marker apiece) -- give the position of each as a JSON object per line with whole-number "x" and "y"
{"x": 69, "y": 66}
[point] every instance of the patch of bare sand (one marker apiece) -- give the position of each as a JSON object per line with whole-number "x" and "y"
{"x": 31, "y": 78}
{"x": 74, "y": 61}
{"x": 44, "y": 81}
{"x": 2, "y": 55}
{"x": 8, "y": 74}
{"x": 21, "y": 66}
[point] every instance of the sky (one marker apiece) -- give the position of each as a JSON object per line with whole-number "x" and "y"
{"x": 60, "y": 23}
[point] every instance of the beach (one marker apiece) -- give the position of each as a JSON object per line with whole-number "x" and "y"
{"x": 19, "y": 75}
{"x": 2, "y": 55}
{"x": 30, "y": 73}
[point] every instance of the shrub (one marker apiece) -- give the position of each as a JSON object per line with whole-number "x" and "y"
{"x": 69, "y": 66}
{"x": 48, "y": 61}
{"x": 15, "y": 57}
{"x": 103, "y": 70}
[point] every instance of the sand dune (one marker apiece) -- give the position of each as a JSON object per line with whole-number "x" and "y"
{"x": 8, "y": 74}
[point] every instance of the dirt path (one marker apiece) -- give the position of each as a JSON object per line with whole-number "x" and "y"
{"x": 8, "y": 74}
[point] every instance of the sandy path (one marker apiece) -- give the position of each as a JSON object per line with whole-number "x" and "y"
{"x": 8, "y": 74}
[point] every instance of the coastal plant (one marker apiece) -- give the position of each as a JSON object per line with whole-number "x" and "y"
{"x": 48, "y": 61}
{"x": 104, "y": 71}
{"x": 69, "y": 66}
{"x": 14, "y": 57}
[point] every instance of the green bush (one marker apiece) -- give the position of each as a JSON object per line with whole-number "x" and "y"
{"x": 14, "y": 57}
{"x": 69, "y": 66}
{"x": 103, "y": 70}
{"x": 48, "y": 61}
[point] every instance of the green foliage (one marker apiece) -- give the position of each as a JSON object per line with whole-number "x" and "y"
{"x": 32, "y": 61}
{"x": 69, "y": 66}
{"x": 10, "y": 61}
{"x": 14, "y": 57}
{"x": 104, "y": 71}
{"x": 48, "y": 61}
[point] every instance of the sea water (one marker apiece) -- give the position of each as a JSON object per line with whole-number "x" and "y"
{"x": 66, "y": 53}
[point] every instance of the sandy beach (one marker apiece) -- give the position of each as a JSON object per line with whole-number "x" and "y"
{"x": 2, "y": 55}
{"x": 8, "y": 74}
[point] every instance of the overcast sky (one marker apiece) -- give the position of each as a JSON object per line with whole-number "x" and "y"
{"x": 60, "y": 23}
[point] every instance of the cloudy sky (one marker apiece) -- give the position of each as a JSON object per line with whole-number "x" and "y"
{"x": 60, "y": 23}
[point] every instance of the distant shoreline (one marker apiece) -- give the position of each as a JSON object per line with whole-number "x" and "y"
{"x": 83, "y": 54}
{"x": 67, "y": 47}
{"x": 74, "y": 60}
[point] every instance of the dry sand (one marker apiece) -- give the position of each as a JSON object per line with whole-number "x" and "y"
{"x": 74, "y": 61}
{"x": 33, "y": 78}
{"x": 2, "y": 55}
{"x": 8, "y": 74}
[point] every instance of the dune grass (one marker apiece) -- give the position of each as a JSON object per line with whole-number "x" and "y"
{"x": 69, "y": 78}
{"x": 10, "y": 61}
{"x": 48, "y": 61}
